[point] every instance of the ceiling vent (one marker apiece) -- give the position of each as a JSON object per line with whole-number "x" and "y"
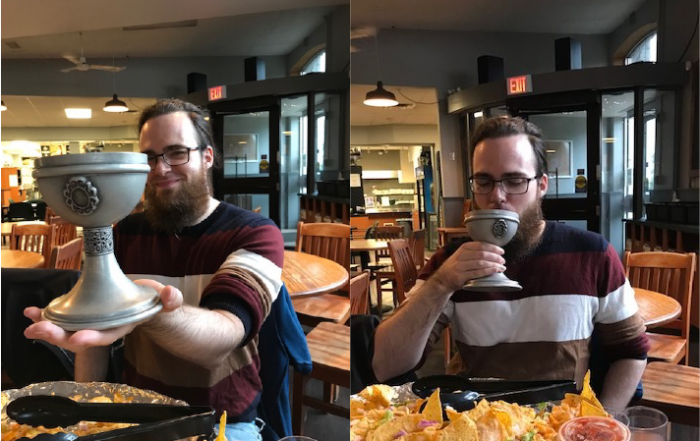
{"x": 152, "y": 27}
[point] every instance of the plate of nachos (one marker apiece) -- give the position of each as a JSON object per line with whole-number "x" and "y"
{"x": 387, "y": 413}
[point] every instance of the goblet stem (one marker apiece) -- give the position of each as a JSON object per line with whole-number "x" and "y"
{"x": 103, "y": 297}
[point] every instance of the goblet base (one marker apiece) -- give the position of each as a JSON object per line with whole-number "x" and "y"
{"x": 494, "y": 282}
{"x": 102, "y": 298}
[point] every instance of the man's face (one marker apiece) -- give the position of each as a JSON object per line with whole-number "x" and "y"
{"x": 176, "y": 195}
{"x": 508, "y": 157}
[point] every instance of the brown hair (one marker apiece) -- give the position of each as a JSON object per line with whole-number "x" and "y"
{"x": 196, "y": 115}
{"x": 501, "y": 126}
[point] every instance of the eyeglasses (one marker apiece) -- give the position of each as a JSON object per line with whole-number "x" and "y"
{"x": 509, "y": 185}
{"x": 178, "y": 156}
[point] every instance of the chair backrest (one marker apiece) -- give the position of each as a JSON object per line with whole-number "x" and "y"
{"x": 404, "y": 267}
{"x": 20, "y": 211}
{"x": 455, "y": 233}
{"x": 325, "y": 239}
{"x": 667, "y": 273}
{"x": 68, "y": 256}
{"x": 49, "y": 214}
{"x": 36, "y": 238}
{"x": 65, "y": 232}
{"x": 387, "y": 233}
{"x": 40, "y": 210}
{"x": 359, "y": 294}
{"x": 417, "y": 243}
{"x": 466, "y": 208}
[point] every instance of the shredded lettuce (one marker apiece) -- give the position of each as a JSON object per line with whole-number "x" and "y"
{"x": 528, "y": 436}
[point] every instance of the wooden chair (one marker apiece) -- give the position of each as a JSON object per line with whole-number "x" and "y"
{"x": 466, "y": 208}
{"x": 674, "y": 390}
{"x": 405, "y": 273}
{"x": 453, "y": 233}
{"x": 417, "y": 244}
{"x": 35, "y": 238}
{"x": 359, "y": 294}
{"x": 670, "y": 274}
{"x": 65, "y": 231}
{"x": 386, "y": 233}
{"x": 332, "y": 241}
{"x": 68, "y": 256}
{"x": 329, "y": 345}
{"x": 49, "y": 214}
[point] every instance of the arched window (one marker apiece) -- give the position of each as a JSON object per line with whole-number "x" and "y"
{"x": 316, "y": 64}
{"x": 645, "y": 50}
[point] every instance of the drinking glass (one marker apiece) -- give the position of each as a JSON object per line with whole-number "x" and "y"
{"x": 647, "y": 424}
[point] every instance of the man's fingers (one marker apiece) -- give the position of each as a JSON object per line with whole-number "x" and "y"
{"x": 33, "y": 313}
{"x": 47, "y": 331}
{"x": 89, "y": 338}
{"x": 171, "y": 298}
{"x": 482, "y": 246}
{"x": 152, "y": 283}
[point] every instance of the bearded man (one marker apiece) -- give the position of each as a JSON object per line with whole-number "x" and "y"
{"x": 217, "y": 268}
{"x": 573, "y": 284}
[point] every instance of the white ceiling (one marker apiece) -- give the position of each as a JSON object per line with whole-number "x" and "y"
{"x": 541, "y": 16}
{"x": 43, "y": 111}
{"x": 422, "y": 106}
{"x": 50, "y": 29}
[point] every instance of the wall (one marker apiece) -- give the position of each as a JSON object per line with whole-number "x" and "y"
{"x": 69, "y": 133}
{"x": 143, "y": 77}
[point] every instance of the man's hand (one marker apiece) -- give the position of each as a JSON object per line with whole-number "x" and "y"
{"x": 471, "y": 261}
{"x": 79, "y": 341}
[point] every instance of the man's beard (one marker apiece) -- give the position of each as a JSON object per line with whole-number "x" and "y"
{"x": 527, "y": 238}
{"x": 171, "y": 213}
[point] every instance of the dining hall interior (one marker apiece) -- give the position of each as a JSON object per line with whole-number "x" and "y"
{"x": 364, "y": 194}
{"x": 577, "y": 72}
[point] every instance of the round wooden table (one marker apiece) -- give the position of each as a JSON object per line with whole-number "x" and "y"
{"x": 307, "y": 275}
{"x": 368, "y": 245}
{"x": 21, "y": 259}
{"x": 655, "y": 308}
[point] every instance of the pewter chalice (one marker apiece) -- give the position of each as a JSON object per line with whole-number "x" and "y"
{"x": 497, "y": 227}
{"x": 94, "y": 190}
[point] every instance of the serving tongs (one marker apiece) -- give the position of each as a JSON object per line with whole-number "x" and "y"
{"x": 463, "y": 393}
{"x": 156, "y": 422}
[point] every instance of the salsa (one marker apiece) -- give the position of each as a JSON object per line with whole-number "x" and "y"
{"x": 592, "y": 428}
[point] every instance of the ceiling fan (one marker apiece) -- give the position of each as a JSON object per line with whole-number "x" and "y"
{"x": 82, "y": 66}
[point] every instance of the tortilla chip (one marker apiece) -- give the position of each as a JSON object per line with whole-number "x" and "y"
{"x": 452, "y": 414}
{"x": 587, "y": 392}
{"x": 490, "y": 428}
{"x": 389, "y": 430}
{"x": 380, "y": 394}
{"x": 433, "y": 409}
{"x": 461, "y": 429}
{"x": 589, "y": 409}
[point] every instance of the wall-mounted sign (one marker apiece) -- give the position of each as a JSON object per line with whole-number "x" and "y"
{"x": 217, "y": 93}
{"x": 518, "y": 85}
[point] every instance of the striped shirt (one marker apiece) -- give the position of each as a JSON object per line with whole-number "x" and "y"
{"x": 232, "y": 261}
{"x": 573, "y": 284}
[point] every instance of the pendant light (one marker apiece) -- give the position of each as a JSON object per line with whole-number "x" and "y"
{"x": 2, "y": 106}
{"x": 115, "y": 105}
{"x": 379, "y": 97}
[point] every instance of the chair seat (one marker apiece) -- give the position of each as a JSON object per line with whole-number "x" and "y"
{"x": 668, "y": 348}
{"x": 329, "y": 346}
{"x": 673, "y": 389}
{"x": 323, "y": 308}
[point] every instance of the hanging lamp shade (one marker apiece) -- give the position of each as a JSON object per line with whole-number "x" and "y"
{"x": 380, "y": 97}
{"x": 115, "y": 105}
{"x": 2, "y": 106}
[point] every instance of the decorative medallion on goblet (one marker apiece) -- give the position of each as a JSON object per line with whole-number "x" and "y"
{"x": 497, "y": 227}
{"x": 94, "y": 190}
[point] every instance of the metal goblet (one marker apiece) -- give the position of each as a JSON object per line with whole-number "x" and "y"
{"x": 94, "y": 190}
{"x": 497, "y": 227}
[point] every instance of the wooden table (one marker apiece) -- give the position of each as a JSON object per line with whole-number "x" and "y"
{"x": 7, "y": 226}
{"x": 447, "y": 233}
{"x": 674, "y": 390}
{"x": 308, "y": 275}
{"x": 21, "y": 259}
{"x": 655, "y": 308}
{"x": 368, "y": 245}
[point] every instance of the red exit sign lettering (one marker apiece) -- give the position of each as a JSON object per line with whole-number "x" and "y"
{"x": 217, "y": 93}
{"x": 518, "y": 85}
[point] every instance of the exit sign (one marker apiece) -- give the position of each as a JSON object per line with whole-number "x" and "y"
{"x": 518, "y": 85}
{"x": 217, "y": 93}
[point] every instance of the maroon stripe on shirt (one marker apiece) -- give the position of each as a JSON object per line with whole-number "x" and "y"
{"x": 234, "y": 394}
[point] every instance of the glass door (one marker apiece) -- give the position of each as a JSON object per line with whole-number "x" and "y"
{"x": 248, "y": 135}
{"x": 570, "y": 125}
